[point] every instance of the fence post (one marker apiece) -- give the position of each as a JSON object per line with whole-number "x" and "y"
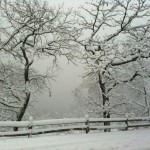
{"x": 30, "y": 126}
{"x": 87, "y": 123}
{"x": 127, "y": 124}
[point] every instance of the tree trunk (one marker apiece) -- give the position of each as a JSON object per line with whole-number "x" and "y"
{"x": 28, "y": 94}
{"x": 106, "y": 114}
{"x": 23, "y": 109}
{"x": 146, "y": 102}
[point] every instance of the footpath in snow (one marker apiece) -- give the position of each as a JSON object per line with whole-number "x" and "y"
{"x": 122, "y": 140}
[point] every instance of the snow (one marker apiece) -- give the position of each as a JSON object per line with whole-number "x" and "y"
{"x": 67, "y": 121}
{"x": 123, "y": 140}
{"x": 119, "y": 119}
{"x": 109, "y": 127}
{"x": 52, "y": 129}
{"x": 59, "y": 121}
{"x": 107, "y": 119}
{"x": 42, "y": 122}
{"x": 14, "y": 123}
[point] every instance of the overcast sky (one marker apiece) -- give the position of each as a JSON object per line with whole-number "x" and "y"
{"x": 69, "y": 77}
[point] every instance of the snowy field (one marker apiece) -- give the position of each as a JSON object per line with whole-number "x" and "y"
{"x": 123, "y": 140}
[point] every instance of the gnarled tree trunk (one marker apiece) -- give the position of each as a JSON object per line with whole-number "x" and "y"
{"x": 106, "y": 114}
{"x": 23, "y": 109}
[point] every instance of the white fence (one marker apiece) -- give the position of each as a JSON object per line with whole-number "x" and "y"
{"x": 32, "y": 127}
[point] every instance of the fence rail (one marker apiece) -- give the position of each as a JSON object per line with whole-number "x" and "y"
{"x": 87, "y": 124}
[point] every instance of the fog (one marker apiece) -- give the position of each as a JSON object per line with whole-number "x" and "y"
{"x": 62, "y": 100}
{"x": 68, "y": 77}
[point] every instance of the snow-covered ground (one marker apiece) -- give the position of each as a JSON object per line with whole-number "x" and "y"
{"x": 123, "y": 140}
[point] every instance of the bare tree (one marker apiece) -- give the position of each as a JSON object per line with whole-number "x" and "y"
{"x": 31, "y": 29}
{"x": 117, "y": 34}
{"x": 13, "y": 88}
{"x": 130, "y": 99}
{"x": 9, "y": 98}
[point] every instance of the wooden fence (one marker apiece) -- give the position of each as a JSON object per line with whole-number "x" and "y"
{"x": 32, "y": 127}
